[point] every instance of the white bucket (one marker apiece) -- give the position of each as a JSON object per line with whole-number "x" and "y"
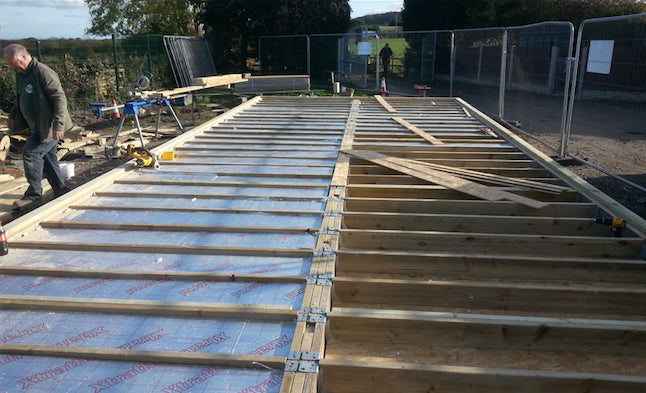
{"x": 67, "y": 169}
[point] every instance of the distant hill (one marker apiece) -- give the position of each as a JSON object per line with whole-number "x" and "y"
{"x": 387, "y": 19}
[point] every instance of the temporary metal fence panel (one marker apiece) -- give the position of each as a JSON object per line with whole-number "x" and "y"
{"x": 610, "y": 78}
{"x": 190, "y": 58}
{"x": 325, "y": 57}
{"x": 284, "y": 55}
{"x": 523, "y": 75}
{"x": 356, "y": 50}
{"x": 608, "y": 97}
{"x": 477, "y": 66}
{"x": 536, "y": 79}
{"x": 419, "y": 58}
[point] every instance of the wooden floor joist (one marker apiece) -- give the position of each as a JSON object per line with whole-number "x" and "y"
{"x": 409, "y": 250}
{"x": 374, "y": 244}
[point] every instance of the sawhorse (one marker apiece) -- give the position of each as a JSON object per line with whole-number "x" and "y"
{"x": 132, "y": 108}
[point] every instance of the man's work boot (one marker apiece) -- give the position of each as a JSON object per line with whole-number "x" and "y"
{"x": 20, "y": 203}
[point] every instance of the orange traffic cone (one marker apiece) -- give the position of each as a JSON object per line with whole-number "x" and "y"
{"x": 115, "y": 110}
{"x": 383, "y": 86}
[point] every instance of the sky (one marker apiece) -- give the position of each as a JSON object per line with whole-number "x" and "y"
{"x": 44, "y": 19}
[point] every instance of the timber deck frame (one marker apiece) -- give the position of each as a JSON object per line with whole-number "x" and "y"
{"x": 497, "y": 280}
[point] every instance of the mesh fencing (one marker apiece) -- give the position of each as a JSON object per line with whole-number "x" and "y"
{"x": 610, "y": 80}
{"x": 528, "y": 76}
{"x": 284, "y": 55}
{"x": 95, "y": 70}
{"x": 515, "y": 74}
{"x": 536, "y": 79}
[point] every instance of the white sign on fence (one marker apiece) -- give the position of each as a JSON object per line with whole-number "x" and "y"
{"x": 365, "y": 48}
{"x": 600, "y": 56}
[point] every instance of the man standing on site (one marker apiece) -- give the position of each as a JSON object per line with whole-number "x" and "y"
{"x": 386, "y": 55}
{"x": 41, "y": 106}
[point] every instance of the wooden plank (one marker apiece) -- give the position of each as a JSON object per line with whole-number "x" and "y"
{"x": 273, "y": 141}
{"x": 487, "y": 319}
{"x": 384, "y": 103}
{"x": 496, "y": 179}
{"x": 16, "y": 184}
{"x": 493, "y": 244}
{"x": 132, "y": 355}
{"x": 448, "y": 330}
{"x": 428, "y": 151}
{"x": 198, "y": 210}
{"x": 478, "y": 266}
{"x": 225, "y": 163}
{"x": 200, "y": 84}
{"x": 406, "y": 180}
{"x": 465, "y": 161}
{"x": 189, "y": 196}
{"x": 317, "y": 136}
{"x": 435, "y": 191}
{"x": 446, "y": 180}
{"x": 219, "y": 80}
{"x": 295, "y": 382}
{"x": 528, "y": 225}
{"x": 219, "y": 183}
{"x": 497, "y": 168}
{"x": 249, "y": 148}
{"x": 288, "y": 383}
{"x": 169, "y": 249}
{"x": 204, "y": 170}
{"x": 410, "y": 205}
{"x": 418, "y": 131}
{"x": 148, "y": 275}
{"x": 172, "y": 227}
{"x": 380, "y": 377}
{"x": 148, "y": 307}
{"x": 592, "y": 299}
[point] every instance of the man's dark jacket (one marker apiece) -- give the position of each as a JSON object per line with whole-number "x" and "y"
{"x": 49, "y": 100}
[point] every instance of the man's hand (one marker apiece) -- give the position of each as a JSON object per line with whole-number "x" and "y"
{"x": 57, "y": 135}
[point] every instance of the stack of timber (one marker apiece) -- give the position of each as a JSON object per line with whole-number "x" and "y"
{"x": 329, "y": 245}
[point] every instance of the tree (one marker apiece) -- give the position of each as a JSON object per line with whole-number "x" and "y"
{"x": 420, "y": 15}
{"x": 169, "y": 17}
{"x": 234, "y": 26}
{"x": 459, "y": 14}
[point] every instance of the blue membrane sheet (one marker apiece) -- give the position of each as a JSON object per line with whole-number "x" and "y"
{"x": 216, "y": 218}
{"x": 32, "y": 374}
{"x": 220, "y": 189}
{"x": 201, "y": 177}
{"x": 292, "y": 241}
{"x": 264, "y": 146}
{"x": 278, "y": 294}
{"x": 294, "y": 154}
{"x": 249, "y": 159}
{"x": 145, "y": 333}
{"x": 128, "y": 261}
{"x": 323, "y": 171}
{"x": 314, "y": 205}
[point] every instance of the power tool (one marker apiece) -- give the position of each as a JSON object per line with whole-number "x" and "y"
{"x": 143, "y": 157}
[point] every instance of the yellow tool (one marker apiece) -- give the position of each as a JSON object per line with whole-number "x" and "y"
{"x": 616, "y": 224}
{"x": 143, "y": 156}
